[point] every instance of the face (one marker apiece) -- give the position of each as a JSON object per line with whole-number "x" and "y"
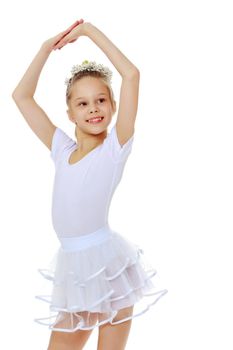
{"x": 90, "y": 98}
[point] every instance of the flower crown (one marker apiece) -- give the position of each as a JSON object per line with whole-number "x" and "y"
{"x": 89, "y": 66}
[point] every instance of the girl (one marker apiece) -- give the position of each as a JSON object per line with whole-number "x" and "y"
{"x": 99, "y": 277}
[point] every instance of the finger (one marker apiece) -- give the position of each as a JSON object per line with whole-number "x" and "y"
{"x": 72, "y": 26}
{"x": 65, "y": 34}
{"x": 63, "y": 43}
{"x": 67, "y": 31}
{"x": 60, "y": 37}
{"x": 60, "y": 44}
{"x": 75, "y": 24}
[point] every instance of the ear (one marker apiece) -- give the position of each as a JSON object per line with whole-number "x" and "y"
{"x": 70, "y": 115}
{"x": 114, "y": 107}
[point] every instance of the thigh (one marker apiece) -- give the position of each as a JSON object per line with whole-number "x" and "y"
{"x": 123, "y": 313}
{"x": 70, "y": 340}
{"x": 115, "y": 336}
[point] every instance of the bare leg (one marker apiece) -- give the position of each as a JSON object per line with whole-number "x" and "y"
{"x": 69, "y": 341}
{"x": 115, "y": 337}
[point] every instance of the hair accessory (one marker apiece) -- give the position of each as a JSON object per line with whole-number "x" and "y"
{"x": 89, "y": 66}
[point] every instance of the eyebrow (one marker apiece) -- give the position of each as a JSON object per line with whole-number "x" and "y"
{"x": 80, "y": 98}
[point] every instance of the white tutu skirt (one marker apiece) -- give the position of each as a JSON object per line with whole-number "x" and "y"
{"x": 94, "y": 276}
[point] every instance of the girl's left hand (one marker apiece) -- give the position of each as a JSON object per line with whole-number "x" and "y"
{"x": 71, "y": 36}
{"x": 53, "y": 42}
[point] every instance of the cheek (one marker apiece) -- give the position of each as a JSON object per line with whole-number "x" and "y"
{"x": 108, "y": 108}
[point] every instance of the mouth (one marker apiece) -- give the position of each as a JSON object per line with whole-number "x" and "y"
{"x": 95, "y": 120}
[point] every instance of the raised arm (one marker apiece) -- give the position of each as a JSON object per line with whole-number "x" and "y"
{"x": 23, "y": 95}
{"x": 129, "y": 72}
{"x": 129, "y": 87}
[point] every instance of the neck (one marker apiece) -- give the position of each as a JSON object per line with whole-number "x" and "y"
{"x": 87, "y": 142}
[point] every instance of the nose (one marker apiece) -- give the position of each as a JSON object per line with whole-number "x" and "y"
{"x": 94, "y": 108}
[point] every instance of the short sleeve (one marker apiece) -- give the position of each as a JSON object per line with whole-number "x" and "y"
{"x": 60, "y": 143}
{"x": 118, "y": 152}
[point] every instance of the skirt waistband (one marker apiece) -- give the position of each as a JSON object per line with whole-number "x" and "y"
{"x": 85, "y": 241}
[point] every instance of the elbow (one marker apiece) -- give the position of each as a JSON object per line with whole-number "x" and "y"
{"x": 137, "y": 71}
{"x": 133, "y": 73}
{"x": 14, "y": 95}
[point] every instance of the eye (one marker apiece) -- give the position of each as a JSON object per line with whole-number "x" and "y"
{"x": 84, "y": 103}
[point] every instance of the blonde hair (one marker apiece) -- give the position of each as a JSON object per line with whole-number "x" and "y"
{"x": 79, "y": 76}
{"x": 95, "y": 74}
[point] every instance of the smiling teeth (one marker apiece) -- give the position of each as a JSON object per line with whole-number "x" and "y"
{"x": 94, "y": 120}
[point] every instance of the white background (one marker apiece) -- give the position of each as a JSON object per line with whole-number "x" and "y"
{"x": 175, "y": 198}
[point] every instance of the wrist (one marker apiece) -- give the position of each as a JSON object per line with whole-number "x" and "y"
{"x": 45, "y": 48}
{"x": 87, "y": 28}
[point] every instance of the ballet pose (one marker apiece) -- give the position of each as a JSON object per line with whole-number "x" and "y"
{"x": 98, "y": 277}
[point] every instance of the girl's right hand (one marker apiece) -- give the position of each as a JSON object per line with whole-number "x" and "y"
{"x": 49, "y": 44}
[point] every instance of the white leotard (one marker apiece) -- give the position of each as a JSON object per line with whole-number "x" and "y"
{"x": 82, "y": 191}
{"x": 96, "y": 269}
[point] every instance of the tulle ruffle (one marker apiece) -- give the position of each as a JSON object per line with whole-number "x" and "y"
{"x": 91, "y": 285}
